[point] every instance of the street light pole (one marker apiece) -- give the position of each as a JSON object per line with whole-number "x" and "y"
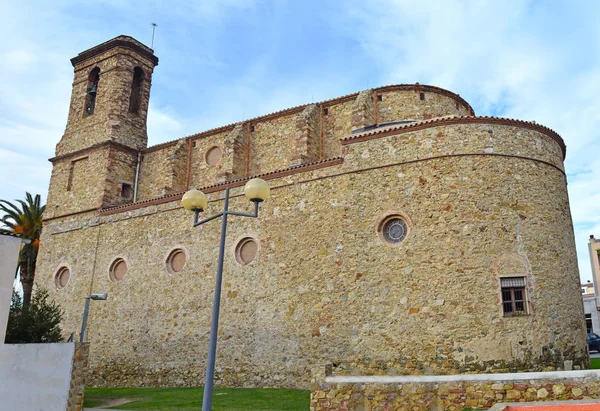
{"x": 256, "y": 190}
{"x": 214, "y": 327}
{"x": 86, "y": 310}
{"x": 85, "y": 316}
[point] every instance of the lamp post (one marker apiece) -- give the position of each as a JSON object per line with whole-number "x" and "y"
{"x": 257, "y": 191}
{"x": 86, "y": 309}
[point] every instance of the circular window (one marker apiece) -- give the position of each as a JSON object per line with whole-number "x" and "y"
{"x": 213, "y": 156}
{"x": 62, "y": 277}
{"x": 176, "y": 260}
{"x": 118, "y": 269}
{"x": 246, "y": 250}
{"x": 393, "y": 229}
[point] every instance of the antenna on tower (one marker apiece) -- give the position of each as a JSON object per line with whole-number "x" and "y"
{"x": 153, "y": 29}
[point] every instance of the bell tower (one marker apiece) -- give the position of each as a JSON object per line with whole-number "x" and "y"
{"x": 97, "y": 156}
{"x": 109, "y": 100}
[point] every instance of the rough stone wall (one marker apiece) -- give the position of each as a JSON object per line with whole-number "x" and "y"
{"x": 177, "y": 159}
{"x": 272, "y": 144}
{"x": 407, "y": 105}
{"x": 234, "y": 160}
{"x": 307, "y": 142}
{"x": 154, "y": 170}
{"x": 452, "y": 396}
{"x": 363, "y": 110}
{"x": 122, "y": 166}
{"x": 337, "y": 123}
{"x": 164, "y": 172}
{"x": 78, "y": 375}
{"x": 77, "y": 183}
{"x": 324, "y": 286}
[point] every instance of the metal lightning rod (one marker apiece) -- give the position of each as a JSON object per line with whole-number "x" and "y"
{"x": 153, "y": 28}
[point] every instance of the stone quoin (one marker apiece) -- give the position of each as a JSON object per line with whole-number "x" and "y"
{"x": 401, "y": 229}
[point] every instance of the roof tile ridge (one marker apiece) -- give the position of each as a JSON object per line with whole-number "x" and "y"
{"x": 297, "y": 107}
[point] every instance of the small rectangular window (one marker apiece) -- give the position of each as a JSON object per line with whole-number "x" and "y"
{"x": 379, "y": 97}
{"x": 513, "y": 296}
{"x": 588, "y": 323}
{"x": 325, "y": 111}
{"x": 252, "y": 128}
{"x": 422, "y": 96}
{"x": 126, "y": 190}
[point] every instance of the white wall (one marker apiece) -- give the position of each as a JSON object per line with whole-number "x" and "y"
{"x": 589, "y": 307}
{"x": 9, "y": 254}
{"x": 35, "y": 377}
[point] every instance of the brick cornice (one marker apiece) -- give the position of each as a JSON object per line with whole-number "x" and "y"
{"x": 229, "y": 184}
{"x": 442, "y": 121}
{"x": 120, "y": 41}
{"x": 111, "y": 144}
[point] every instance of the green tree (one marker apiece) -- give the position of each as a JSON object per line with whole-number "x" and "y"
{"x": 25, "y": 221}
{"x": 39, "y": 323}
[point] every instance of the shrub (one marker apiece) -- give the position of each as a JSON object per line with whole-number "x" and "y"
{"x": 38, "y": 323}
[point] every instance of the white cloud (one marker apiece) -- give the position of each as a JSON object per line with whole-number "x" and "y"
{"x": 506, "y": 59}
{"x": 522, "y": 59}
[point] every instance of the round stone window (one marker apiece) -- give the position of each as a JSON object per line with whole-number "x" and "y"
{"x": 176, "y": 260}
{"x": 246, "y": 250}
{"x": 393, "y": 229}
{"x": 213, "y": 156}
{"x": 118, "y": 269}
{"x": 63, "y": 275}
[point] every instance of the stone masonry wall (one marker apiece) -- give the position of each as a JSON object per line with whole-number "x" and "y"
{"x": 481, "y": 200}
{"x": 337, "y": 123}
{"x": 272, "y": 144}
{"x": 118, "y": 187}
{"x": 451, "y": 396}
{"x": 407, "y": 105}
{"x": 278, "y": 141}
{"x": 77, "y": 183}
{"x": 78, "y": 376}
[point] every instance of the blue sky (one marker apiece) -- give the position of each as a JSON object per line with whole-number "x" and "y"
{"x": 222, "y": 61}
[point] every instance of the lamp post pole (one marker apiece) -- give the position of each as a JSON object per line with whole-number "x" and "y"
{"x": 85, "y": 316}
{"x": 86, "y": 310}
{"x": 256, "y": 191}
{"x": 214, "y": 326}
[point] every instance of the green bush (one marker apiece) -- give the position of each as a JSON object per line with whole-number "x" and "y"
{"x": 38, "y": 323}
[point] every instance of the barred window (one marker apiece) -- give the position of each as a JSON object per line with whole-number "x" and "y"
{"x": 513, "y": 296}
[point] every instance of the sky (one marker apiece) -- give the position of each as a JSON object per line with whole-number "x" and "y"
{"x": 223, "y": 61}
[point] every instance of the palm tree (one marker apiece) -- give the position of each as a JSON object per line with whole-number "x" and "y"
{"x": 25, "y": 222}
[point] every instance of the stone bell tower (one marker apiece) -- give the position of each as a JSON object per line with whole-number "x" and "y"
{"x": 97, "y": 156}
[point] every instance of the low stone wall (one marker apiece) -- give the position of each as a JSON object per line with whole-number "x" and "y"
{"x": 449, "y": 392}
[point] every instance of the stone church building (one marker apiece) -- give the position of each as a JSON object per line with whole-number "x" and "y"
{"x": 401, "y": 228}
